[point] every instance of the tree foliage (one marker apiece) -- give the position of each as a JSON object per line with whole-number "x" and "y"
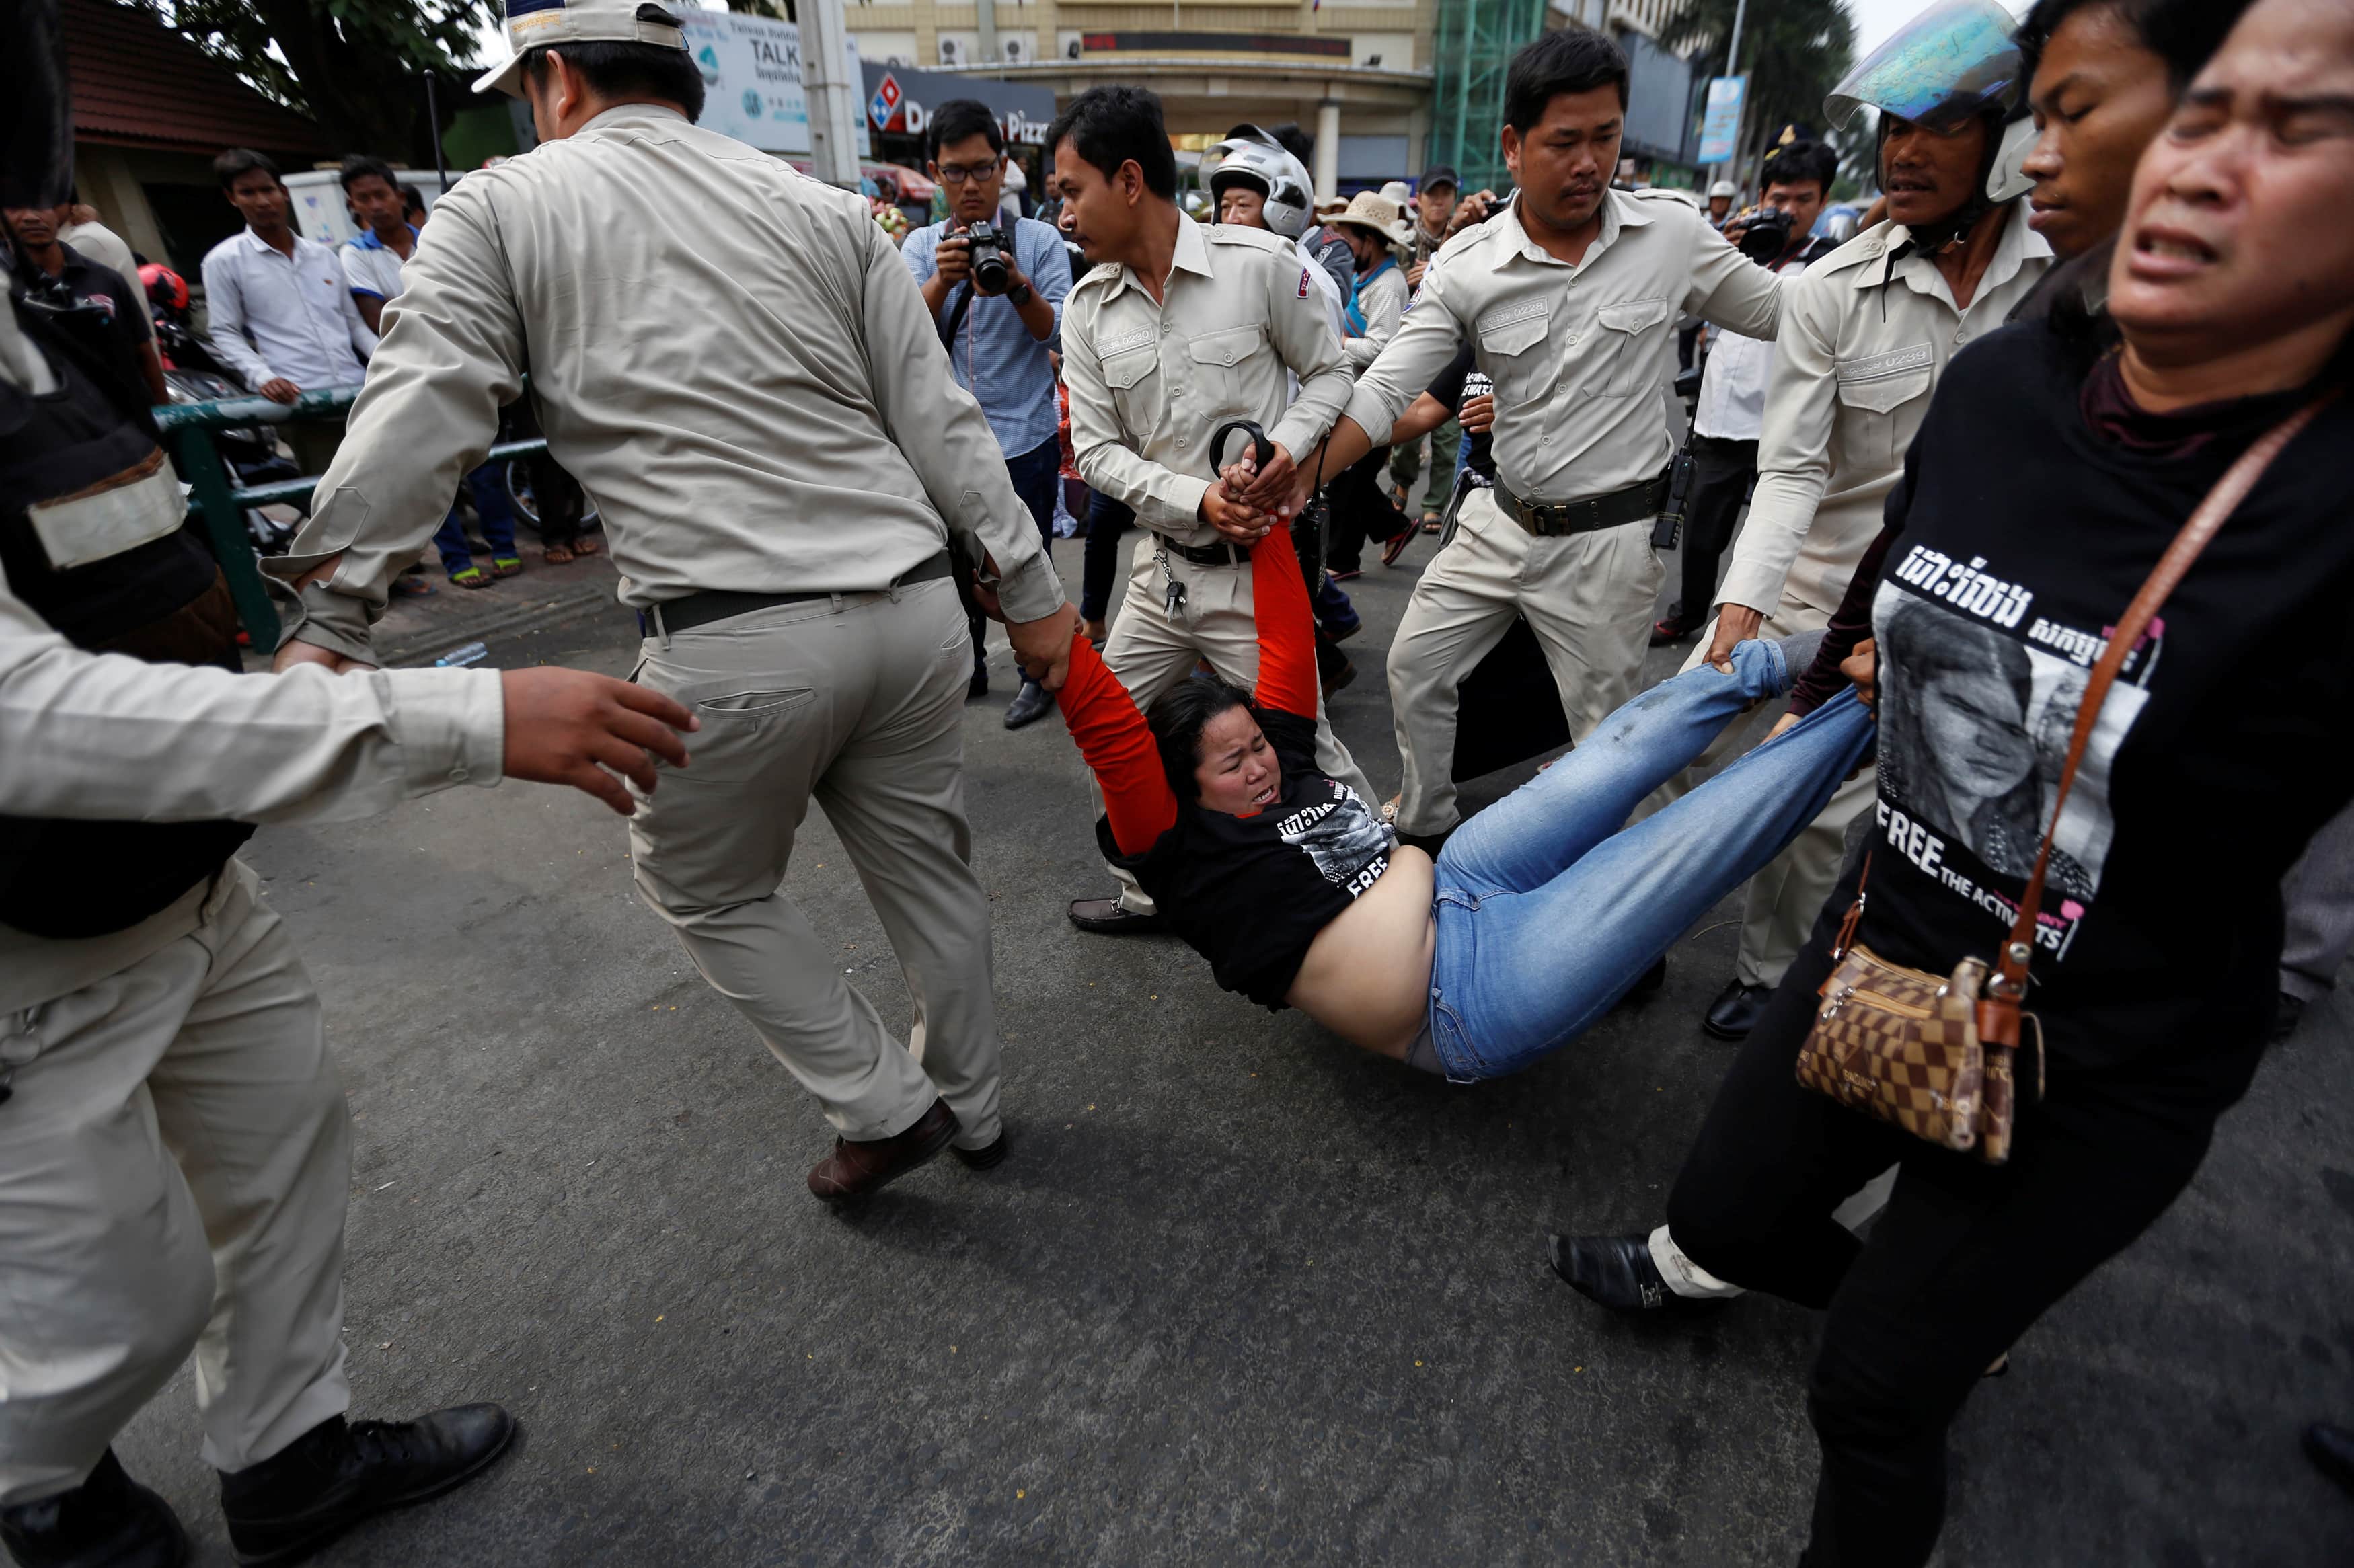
{"x": 1793, "y": 51}
{"x": 356, "y": 67}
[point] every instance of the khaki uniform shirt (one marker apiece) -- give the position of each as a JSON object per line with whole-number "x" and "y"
{"x": 728, "y": 355}
{"x": 1863, "y": 340}
{"x": 1580, "y": 355}
{"x": 1151, "y": 383}
{"x": 105, "y": 736}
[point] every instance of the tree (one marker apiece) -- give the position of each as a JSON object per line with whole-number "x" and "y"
{"x": 356, "y": 67}
{"x": 1793, "y": 52}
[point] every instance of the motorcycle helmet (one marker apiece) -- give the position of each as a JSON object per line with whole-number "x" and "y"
{"x": 1258, "y": 163}
{"x": 1953, "y": 62}
{"x": 167, "y": 289}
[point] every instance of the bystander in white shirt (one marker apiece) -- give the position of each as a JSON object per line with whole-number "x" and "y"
{"x": 275, "y": 315}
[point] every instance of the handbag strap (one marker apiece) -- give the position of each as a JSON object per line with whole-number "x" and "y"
{"x": 2009, "y": 983}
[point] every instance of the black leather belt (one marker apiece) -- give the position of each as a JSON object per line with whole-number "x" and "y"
{"x": 1548, "y": 518}
{"x": 1218, "y": 554}
{"x": 721, "y": 604}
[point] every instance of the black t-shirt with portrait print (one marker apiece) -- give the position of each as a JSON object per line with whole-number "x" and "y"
{"x": 2026, "y": 532}
{"x": 1463, "y": 379}
{"x": 1249, "y": 894}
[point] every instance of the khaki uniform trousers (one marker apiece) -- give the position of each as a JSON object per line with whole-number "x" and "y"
{"x": 1779, "y": 908}
{"x": 174, "y": 1163}
{"x": 1589, "y": 598}
{"x": 1151, "y": 653}
{"x": 856, "y": 701}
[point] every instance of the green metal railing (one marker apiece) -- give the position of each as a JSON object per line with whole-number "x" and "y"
{"x": 221, "y": 504}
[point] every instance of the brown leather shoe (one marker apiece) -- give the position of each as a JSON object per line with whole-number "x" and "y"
{"x": 860, "y": 1169}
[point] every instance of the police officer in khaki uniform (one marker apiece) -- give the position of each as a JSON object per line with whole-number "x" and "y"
{"x": 1570, "y": 298}
{"x": 756, "y": 398}
{"x": 1178, "y": 330}
{"x": 1866, "y": 331}
{"x": 174, "y": 1146}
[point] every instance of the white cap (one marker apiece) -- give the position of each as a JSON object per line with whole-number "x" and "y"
{"x": 1722, "y": 188}
{"x": 538, "y": 24}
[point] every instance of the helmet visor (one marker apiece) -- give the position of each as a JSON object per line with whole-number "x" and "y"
{"x": 1954, "y": 61}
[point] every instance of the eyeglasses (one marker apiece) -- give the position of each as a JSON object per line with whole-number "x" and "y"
{"x": 958, "y": 175}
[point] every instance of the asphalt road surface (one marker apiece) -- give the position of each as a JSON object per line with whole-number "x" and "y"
{"x": 1242, "y": 1293}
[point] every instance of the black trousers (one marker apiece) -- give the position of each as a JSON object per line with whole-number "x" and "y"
{"x": 1107, "y": 524}
{"x": 1963, "y": 1259}
{"x": 1722, "y": 473}
{"x": 1362, "y": 509}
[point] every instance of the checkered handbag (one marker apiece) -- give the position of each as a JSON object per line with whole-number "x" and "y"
{"x": 1933, "y": 1055}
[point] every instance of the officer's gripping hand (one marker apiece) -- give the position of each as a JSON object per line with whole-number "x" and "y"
{"x": 568, "y": 726}
{"x": 1735, "y": 623}
{"x": 1043, "y": 647}
{"x": 1477, "y": 414}
{"x": 1863, "y": 667}
{"x": 1270, "y": 489}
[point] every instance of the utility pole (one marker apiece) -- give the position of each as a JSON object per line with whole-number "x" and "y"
{"x": 834, "y": 100}
{"x": 1732, "y": 67}
{"x": 986, "y": 18}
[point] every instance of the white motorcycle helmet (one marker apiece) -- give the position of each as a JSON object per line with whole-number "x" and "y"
{"x": 1272, "y": 171}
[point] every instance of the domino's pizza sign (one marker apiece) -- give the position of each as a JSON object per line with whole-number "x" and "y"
{"x": 884, "y": 107}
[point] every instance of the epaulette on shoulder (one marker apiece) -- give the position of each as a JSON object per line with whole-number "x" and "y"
{"x": 1242, "y": 234}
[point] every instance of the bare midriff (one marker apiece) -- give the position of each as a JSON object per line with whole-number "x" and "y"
{"x": 1367, "y": 974}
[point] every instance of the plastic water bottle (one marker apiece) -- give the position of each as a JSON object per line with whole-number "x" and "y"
{"x": 471, "y": 653}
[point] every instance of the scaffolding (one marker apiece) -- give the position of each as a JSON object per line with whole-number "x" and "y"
{"x": 1474, "y": 42}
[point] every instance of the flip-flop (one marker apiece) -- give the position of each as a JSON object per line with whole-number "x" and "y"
{"x": 505, "y": 565}
{"x": 587, "y": 544}
{"x": 408, "y": 586}
{"x": 557, "y": 555}
{"x": 471, "y": 578}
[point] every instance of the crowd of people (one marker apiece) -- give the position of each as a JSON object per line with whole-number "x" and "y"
{"x": 2030, "y": 604}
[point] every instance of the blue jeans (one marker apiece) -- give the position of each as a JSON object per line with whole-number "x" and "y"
{"x": 1547, "y": 913}
{"x": 488, "y": 483}
{"x": 1035, "y": 475}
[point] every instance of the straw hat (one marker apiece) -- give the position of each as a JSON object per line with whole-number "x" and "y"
{"x": 1379, "y": 214}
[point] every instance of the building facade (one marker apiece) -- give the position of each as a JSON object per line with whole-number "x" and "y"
{"x": 1355, "y": 75}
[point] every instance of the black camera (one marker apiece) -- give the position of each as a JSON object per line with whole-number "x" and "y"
{"x": 992, "y": 273}
{"x": 1767, "y": 237}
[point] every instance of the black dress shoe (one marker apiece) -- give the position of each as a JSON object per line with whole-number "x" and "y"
{"x": 1616, "y": 1271}
{"x": 1735, "y": 1010}
{"x": 1107, "y": 918}
{"x": 987, "y": 1158}
{"x": 1032, "y": 702}
{"x": 339, "y": 1473}
{"x": 108, "y": 1521}
{"x": 1645, "y": 989}
{"x": 2332, "y": 1449}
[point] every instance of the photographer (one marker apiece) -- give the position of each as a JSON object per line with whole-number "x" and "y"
{"x": 1733, "y": 388}
{"x": 996, "y": 295}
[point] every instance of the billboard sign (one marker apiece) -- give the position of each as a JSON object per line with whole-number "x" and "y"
{"x": 1720, "y": 124}
{"x": 752, "y": 78}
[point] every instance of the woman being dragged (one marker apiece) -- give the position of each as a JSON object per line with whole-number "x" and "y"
{"x": 1538, "y": 914}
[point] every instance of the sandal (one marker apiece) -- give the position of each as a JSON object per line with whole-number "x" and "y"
{"x": 505, "y": 565}
{"x": 557, "y": 555}
{"x": 587, "y": 544}
{"x": 408, "y": 584}
{"x": 1430, "y": 523}
{"x": 471, "y": 578}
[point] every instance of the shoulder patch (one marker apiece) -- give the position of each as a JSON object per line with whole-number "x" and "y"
{"x": 1101, "y": 272}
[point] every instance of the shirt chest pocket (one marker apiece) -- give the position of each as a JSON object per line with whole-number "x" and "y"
{"x": 1630, "y": 341}
{"x": 1881, "y": 397}
{"x": 1219, "y": 364}
{"x": 1134, "y": 377}
{"x": 1512, "y": 353}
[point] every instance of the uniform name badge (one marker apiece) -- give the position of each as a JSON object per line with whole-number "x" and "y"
{"x": 137, "y": 506}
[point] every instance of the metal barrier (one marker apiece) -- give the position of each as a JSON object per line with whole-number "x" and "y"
{"x": 221, "y": 506}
